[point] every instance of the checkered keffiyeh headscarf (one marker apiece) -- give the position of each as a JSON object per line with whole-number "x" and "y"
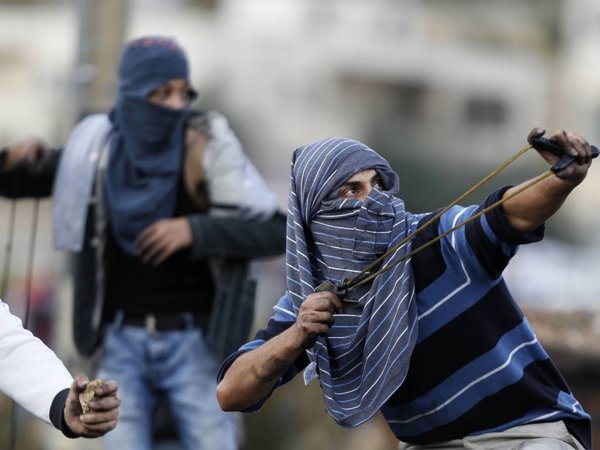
{"x": 365, "y": 357}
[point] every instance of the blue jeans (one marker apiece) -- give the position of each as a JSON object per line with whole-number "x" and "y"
{"x": 174, "y": 364}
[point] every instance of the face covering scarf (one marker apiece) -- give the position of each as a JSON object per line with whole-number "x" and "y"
{"x": 146, "y": 146}
{"x": 365, "y": 357}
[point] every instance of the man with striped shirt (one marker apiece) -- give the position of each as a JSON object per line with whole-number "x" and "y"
{"x": 435, "y": 342}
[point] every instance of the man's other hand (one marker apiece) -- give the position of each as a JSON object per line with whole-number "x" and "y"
{"x": 163, "y": 238}
{"x": 316, "y": 317}
{"x": 31, "y": 152}
{"x": 573, "y": 145}
{"x": 103, "y": 413}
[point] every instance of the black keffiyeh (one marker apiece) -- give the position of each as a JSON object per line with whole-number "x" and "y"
{"x": 365, "y": 357}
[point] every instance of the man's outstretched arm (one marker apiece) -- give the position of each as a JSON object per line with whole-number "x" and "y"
{"x": 532, "y": 207}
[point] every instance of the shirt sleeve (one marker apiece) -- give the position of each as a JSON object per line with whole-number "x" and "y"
{"x": 30, "y": 373}
{"x": 236, "y": 238}
{"x": 283, "y": 317}
{"x": 501, "y": 226}
{"x": 57, "y": 416}
{"x": 485, "y": 245}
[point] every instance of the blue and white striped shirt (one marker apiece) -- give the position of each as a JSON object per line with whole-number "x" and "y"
{"x": 477, "y": 366}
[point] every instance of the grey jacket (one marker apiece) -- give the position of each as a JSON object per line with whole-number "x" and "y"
{"x": 229, "y": 239}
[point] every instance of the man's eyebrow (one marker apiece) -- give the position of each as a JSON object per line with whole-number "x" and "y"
{"x": 351, "y": 183}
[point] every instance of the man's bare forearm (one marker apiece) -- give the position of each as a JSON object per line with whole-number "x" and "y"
{"x": 529, "y": 209}
{"x": 252, "y": 376}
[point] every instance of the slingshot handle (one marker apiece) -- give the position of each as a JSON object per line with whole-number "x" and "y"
{"x": 547, "y": 144}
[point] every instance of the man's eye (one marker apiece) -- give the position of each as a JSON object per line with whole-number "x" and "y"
{"x": 161, "y": 93}
{"x": 349, "y": 191}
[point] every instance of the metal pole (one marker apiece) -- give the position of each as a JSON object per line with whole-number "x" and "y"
{"x": 101, "y": 35}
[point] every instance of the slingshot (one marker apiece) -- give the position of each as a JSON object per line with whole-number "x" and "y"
{"x": 365, "y": 276}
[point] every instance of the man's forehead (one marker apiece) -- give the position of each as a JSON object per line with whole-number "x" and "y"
{"x": 363, "y": 175}
{"x": 176, "y": 81}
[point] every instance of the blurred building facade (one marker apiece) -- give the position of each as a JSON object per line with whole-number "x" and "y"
{"x": 451, "y": 88}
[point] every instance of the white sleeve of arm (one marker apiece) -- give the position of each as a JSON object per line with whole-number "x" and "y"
{"x": 233, "y": 181}
{"x": 30, "y": 373}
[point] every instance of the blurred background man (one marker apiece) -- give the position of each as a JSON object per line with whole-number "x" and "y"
{"x": 162, "y": 212}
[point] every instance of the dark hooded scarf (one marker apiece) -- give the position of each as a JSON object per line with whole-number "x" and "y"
{"x": 147, "y": 140}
